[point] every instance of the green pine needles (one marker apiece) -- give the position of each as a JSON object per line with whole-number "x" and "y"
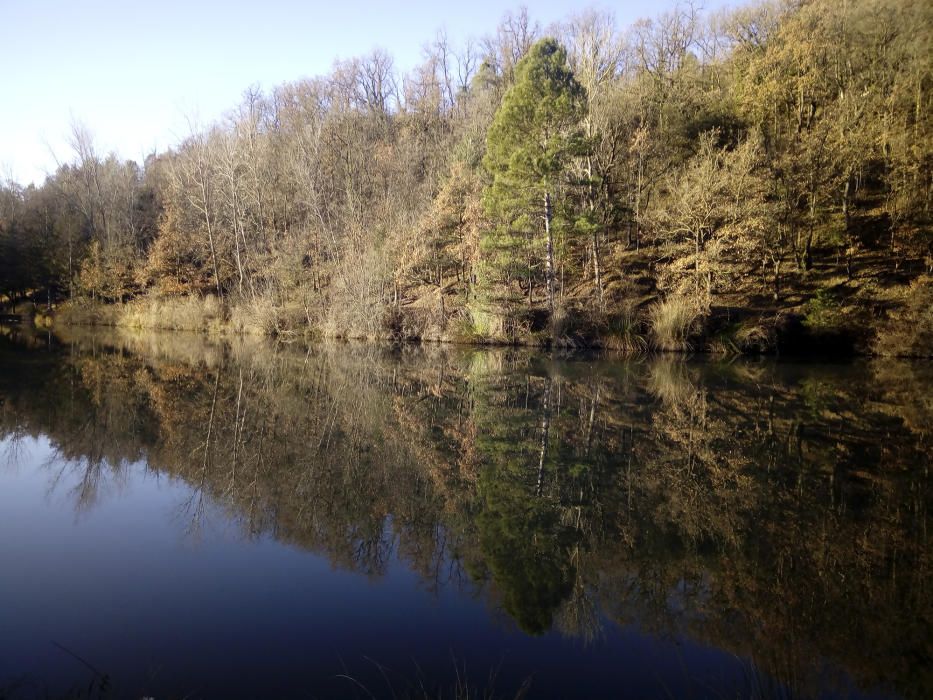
{"x": 534, "y": 134}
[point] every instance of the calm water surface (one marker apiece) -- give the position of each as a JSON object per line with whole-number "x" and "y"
{"x": 180, "y": 518}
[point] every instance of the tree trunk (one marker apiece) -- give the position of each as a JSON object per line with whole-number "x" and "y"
{"x": 440, "y": 293}
{"x": 777, "y": 279}
{"x": 597, "y": 268}
{"x": 591, "y": 201}
{"x": 696, "y": 265}
{"x": 71, "y": 274}
{"x": 210, "y": 240}
{"x": 549, "y": 261}
{"x": 237, "y": 229}
{"x": 638, "y": 200}
{"x": 808, "y": 251}
{"x": 845, "y": 204}
{"x": 210, "y": 229}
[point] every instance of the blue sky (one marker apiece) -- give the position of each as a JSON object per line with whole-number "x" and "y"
{"x": 135, "y": 72}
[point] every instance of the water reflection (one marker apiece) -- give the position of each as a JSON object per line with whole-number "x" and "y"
{"x": 775, "y": 511}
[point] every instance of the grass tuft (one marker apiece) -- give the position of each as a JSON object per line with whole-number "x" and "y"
{"x": 673, "y": 321}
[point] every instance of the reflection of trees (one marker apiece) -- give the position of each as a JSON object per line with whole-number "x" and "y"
{"x": 521, "y": 535}
{"x": 778, "y": 511}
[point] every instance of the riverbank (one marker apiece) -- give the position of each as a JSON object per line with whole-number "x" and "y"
{"x": 834, "y": 316}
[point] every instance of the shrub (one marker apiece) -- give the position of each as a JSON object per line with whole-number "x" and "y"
{"x": 484, "y": 324}
{"x": 257, "y": 315}
{"x": 187, "y": 313}
{"x": 753, "y": 335}
{"x": 81, "y": 312}
{"x": 822, "y": 312}
{"x": 908, "y": 332}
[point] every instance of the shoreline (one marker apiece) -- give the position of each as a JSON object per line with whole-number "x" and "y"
{"x": 209, "y": 319}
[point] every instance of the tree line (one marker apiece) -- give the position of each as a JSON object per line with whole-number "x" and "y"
{"x": 766, "y": 166}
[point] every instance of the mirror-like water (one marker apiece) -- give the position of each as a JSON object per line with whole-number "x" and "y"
{"x": 188, "y": 519}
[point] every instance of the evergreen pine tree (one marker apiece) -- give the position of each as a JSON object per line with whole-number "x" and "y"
{"x": 534, "y": 133}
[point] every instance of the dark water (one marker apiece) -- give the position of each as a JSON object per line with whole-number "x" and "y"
{"x": 187, "y": 519}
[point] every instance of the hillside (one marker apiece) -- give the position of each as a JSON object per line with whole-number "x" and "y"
{"x": 751, "y": 181}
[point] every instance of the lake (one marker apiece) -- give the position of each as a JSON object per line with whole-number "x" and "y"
{"x": 192, "y": 518}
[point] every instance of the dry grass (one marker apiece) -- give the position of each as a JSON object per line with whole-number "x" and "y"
{"x": 673, "y": 321}
{"x": 191, "y": 313}
{"x": 751, "y": 336}
{"x": 86, "y": 313}
{"x": 626, "y": 334}
{"x": 256, "y": 316}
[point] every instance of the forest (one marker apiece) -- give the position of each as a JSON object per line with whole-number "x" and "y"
{"x": 753, "y": 180}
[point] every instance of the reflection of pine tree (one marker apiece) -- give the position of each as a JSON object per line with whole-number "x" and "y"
{"x": 520, "y": 529}
{"x": 537, "y": 489}
{"x": 526, "y": 551}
